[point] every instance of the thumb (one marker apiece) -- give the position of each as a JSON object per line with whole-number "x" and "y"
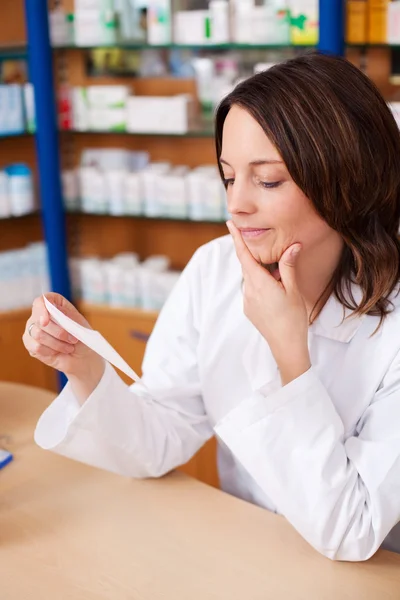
{"x": 287, "y": 266}
{"x": 67, "y": 308}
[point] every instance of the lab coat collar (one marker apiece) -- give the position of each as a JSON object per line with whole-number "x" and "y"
{"x": 259, "y": 362}
{"x": 336, "y": 322}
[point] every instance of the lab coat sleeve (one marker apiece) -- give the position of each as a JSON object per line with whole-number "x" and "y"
{"x": 151, "y": 427}
{"x": 342, "y": 495}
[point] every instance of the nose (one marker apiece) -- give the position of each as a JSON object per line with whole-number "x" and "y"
{"x": 240, "y": 198}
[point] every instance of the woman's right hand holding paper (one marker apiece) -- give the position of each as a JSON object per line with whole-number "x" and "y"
{"x": 52, "y": 345}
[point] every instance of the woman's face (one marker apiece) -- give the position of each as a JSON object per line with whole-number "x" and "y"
{"x": 265, "y": 203}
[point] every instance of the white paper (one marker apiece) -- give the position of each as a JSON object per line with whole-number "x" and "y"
{"x": 92, "y": 339}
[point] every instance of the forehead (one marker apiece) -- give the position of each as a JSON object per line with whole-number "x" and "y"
{"x": 244, "y": 139}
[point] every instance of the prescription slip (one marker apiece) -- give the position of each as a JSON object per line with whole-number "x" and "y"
{"x": 91, "y": 338}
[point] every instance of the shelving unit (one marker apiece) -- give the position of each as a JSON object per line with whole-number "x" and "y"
{"x": 105, "y": 235}
{"x": 17, "y": 232}
{"x": 5, "y": 136}
{"x": 205, "y": 47}
{"x": 145, "y": 218}
{"x": 12, "y": 51}
{"x": 18, "y": 218}
{"x": 202, "y": 130}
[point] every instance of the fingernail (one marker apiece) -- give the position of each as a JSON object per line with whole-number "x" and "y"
{"x": 295, "y": 250}
{"x": 72, "y": 339}
{"x": 229, "y": 225}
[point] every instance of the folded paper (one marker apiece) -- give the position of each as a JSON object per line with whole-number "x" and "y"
{"x": 91, "y": 338}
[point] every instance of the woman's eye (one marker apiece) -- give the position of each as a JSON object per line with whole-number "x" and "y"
{"x": 270, "y": 184}
{"x": 228, "y": 182}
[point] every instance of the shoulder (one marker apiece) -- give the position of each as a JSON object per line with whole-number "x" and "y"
{"x": 213, "y": 276}
{"x": 222, "y": 248}
{"x": 216, "y": 259}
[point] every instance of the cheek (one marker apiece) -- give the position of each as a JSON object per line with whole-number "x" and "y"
{"x": 312, "y": 231}
{"x": 297, "y": 221}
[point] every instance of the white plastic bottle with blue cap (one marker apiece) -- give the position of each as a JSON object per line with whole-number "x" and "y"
{"x": 20, "y": 189}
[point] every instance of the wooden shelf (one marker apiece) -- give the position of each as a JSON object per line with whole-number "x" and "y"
{"x": 212, "y": 47}
{"x": 16, "y": 364}
{"x": 163, "y": 218}
{"x": 17, "y": 232}
{"x": 124, "y": 312}
{"x": 15, "y": 313}
{"x": 104, "y": 237}
{"x": 35, "y": 213}
{"x": 198, "y": 131}
{"x": 18, "y": 134}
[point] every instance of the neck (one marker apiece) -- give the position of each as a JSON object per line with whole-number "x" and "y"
{"x": 315, "y": 272}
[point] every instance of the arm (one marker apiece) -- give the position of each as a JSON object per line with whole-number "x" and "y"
{"x": 343, "y": 496}
{"x": 142, "y": 430}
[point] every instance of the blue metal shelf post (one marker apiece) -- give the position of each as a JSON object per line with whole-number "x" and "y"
{"x": 48, "y": 158}
{"x": 331, "y": 26}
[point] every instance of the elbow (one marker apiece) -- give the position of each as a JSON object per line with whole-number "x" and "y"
{"x": 353, "y": 547}
{"x": 138, "y": 469}
{"x": 348, "y": 554}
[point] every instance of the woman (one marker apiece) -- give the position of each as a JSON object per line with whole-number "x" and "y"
{"x": 288, "y": 349}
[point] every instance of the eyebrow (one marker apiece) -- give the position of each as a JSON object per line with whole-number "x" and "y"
{"x": 261, "y": 161}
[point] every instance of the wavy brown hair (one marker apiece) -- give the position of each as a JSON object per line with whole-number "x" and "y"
{"x": 341, "y": 146}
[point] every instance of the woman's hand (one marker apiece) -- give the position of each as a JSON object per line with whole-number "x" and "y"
{"x": 276, "y": 308}
{"x": 55, "y": 347}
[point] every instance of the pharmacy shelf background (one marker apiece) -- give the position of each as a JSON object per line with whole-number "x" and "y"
{"x": 102, "y": 231}
{"x": 98, "y": 242}
{"x": 23, "y": 264}
{"x": 124, "y": 259}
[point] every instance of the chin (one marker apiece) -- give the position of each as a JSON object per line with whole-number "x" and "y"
{"x": 260, "y": 255}
{"x": 264, "y": 260}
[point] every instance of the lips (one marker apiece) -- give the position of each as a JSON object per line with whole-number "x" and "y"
{"x": 251, "y": 232}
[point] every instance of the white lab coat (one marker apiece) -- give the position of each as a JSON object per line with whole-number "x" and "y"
{"x": 324, "y": 450}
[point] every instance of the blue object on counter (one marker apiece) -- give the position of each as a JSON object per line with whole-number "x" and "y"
{"x": 5, "y": 458}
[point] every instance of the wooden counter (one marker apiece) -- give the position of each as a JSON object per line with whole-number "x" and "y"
{"x": 71, "y": 532}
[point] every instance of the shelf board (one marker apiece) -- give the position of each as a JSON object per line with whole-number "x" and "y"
{"x": 125, "y": 311}
{"x": 13, "y": 51}
{"x": 213, "y": 47}
{"x": 145, "y": 218}
{"x": 193, "y": 132}
{"x": 35, "y": 213}
{"x": 15, "y": 313}
{"x": 5, "y": 136}
{"x": 366, "y": 45}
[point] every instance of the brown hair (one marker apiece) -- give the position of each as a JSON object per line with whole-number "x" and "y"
{"x": 341, "y": 146}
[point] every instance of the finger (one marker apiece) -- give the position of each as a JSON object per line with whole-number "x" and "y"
{"x": 39, "y": 312}
{"x": 35, "y": 349}
{"x": 67, "y": 308}
{"x": 58, "y": 332}
{"x": 287, "y": 266}
{"x": 41, "y": 337}
{"x": 244, "y": 255}
{"x": 40, "y": 352}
